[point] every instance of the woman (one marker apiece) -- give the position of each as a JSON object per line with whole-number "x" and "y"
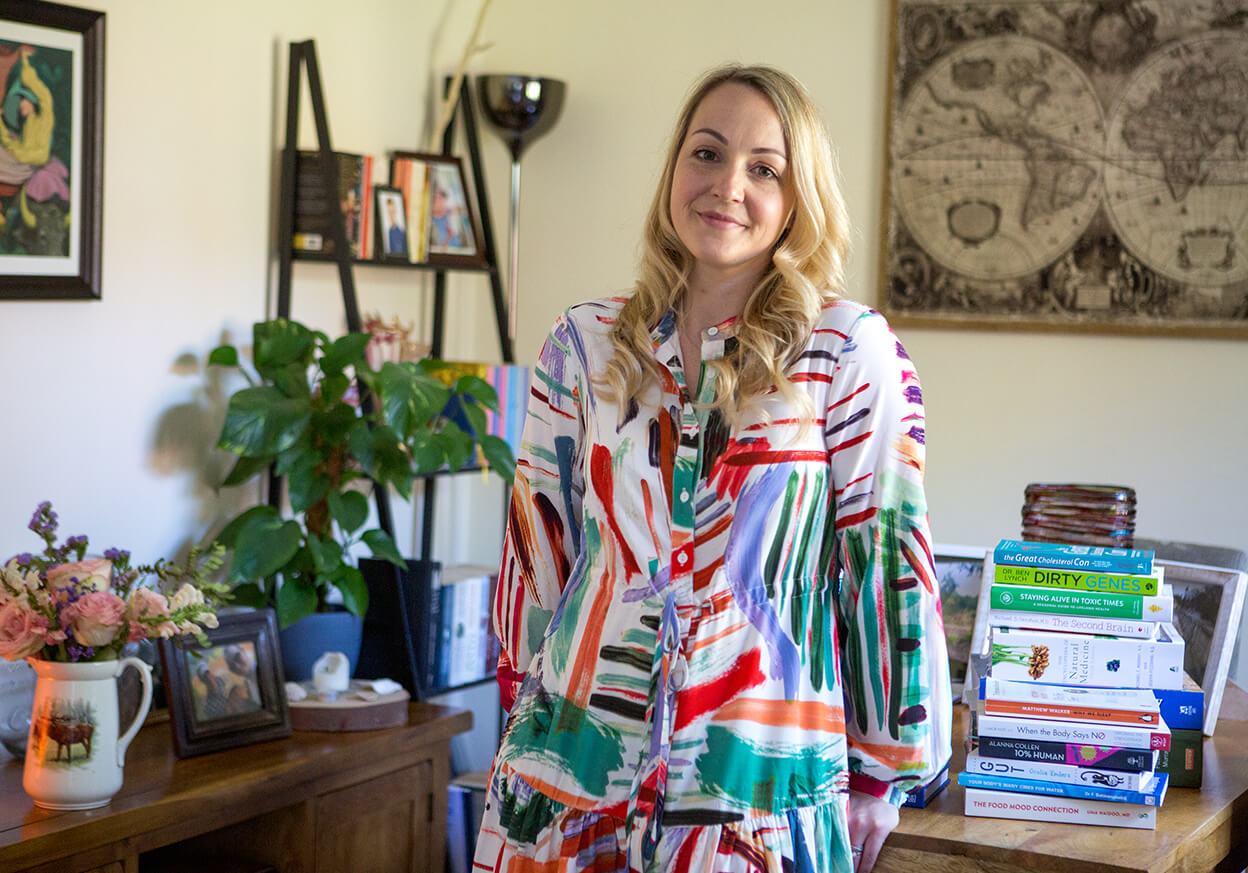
{"x": 717, "y": 606}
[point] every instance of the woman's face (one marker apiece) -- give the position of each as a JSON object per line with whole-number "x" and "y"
{"x": 731, "y": 194}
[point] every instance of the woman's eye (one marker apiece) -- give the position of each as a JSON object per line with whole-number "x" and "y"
{"x": 766, "y": 172}
{"x": 704, "y": 154}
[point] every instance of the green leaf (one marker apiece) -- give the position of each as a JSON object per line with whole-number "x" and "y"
{"x": 383, "y": 547}
{"x": 263, "y": 546}
{"x": 248, "y": 594}
{"x": 360, "y": 445}
{"x": 296, "y": 599}
{"x": 455, "y": 444}
{"x": 262, "y": 421}
{"x": 244, "y": 469}
{"x": 333, "y": 424}
{"x": 346, "y": 351}
{"x": 350, "y": 582}
{"x": 229, "y": 534}
{"x": 427, "y": 455}
{"x": 349, "y": 509}
{"x": 478, "y": 390}
{"x": 224, "y": 356}
{"x": 306, "y": 485}
{"x": 409, "y": 397}
{"x": 476, "y": 420}
{"x": 278, "y": 343}
{"x": 326, "y": 555}
{"x": 498, "y": 455}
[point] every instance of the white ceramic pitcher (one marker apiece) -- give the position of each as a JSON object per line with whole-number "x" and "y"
{"x": 74, "y": 753}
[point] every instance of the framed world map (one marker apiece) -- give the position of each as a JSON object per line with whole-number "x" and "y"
{"x": 1071, "y": 165}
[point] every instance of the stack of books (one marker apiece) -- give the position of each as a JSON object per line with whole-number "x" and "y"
{"x": 1081, "y": 648}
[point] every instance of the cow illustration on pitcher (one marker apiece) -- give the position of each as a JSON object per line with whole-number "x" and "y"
{"x": 62, "y": 732}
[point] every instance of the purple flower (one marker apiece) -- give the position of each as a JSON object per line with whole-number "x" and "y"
{"x": 75, "y": 541}
{"x": 117, "y": 554}
{"x": 24, "y": 559}
{"x": 79, "y": 653}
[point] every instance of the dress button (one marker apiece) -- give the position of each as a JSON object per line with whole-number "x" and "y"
{"x": 712, "y": 331}
{"x": 684, "y": 496}
{"x": 680, "y": 675}
{"x": 681, "y": 557}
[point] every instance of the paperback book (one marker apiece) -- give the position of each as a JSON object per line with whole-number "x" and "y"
{"x": 1059, "y": 601}
{"x": 1064, "y": 556}
{"x": 922, "y": 796}
{"x": 1014, "y": 727}
{"x": 1154, "y": 793}
{"x": 1182, "y": 708}
{"x": 1124, "y": 706}
{"x": 1075, "y": 580}
{"x": 314, "y": 205}
{"x": 1079, "y": 659}
{"x": 1031, "y": 807}
{"x": 1068, "y": 774}
{"x": 1078, "y": 754}
{"x": 1077, "y": 624}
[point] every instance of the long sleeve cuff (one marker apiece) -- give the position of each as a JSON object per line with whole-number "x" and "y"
{"x": 870, "y": 785}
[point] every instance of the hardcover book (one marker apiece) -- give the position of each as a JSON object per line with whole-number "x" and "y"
{"x": 1063, "y": 556}
{"x": 1014, "y": 727}
{"x": 1112, "y": 583}
{"x": 1125, "y": 706}
{"x": 1154, "y": 793}
{"x": 1057, "y": 601}
{"x": 923, "y": 795}
{"x": 1184, "y": 761}
{"x": 1070, "y": 774}
{"x": 1078, "y": 624}
{"x": 314, "y": 206}
{"x": 1077, "y": 754}
{"x": 1079, "y": 659}
{"x": 1182, "y": 708}
{"x": 1031, "y": 807}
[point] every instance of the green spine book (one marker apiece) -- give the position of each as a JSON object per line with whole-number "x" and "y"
{"x": 1025, "y": 598}
{"x": 1108, "y": 583}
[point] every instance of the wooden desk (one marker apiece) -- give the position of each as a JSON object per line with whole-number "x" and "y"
{"x": 313, "y": 803}
{"x": 1197, "y": 830}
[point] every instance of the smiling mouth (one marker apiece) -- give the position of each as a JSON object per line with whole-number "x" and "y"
{"x": 716, "y": 219}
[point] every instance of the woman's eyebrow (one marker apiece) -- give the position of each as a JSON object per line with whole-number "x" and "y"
{"x": 723, "y": 139}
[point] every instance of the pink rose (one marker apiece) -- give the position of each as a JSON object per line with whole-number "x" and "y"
{"x": 95, "y": 618}
{"x": 22, "y": 632}
{"x": 147, "y": 603}
{"x": 93, "y": 574}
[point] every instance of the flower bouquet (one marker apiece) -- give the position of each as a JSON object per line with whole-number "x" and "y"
{"x": 59, "y": 605}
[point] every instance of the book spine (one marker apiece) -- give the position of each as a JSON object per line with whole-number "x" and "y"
{"x": 433, "y": 628}
{"x": 1068, "y": 711}
{"x": 1026, "y": 598}
{"x": 1077, "y": 624}
{"x": 1009, "y": 804}
{"x": 1182, "y": 708}
{"x": 446, "y": 631}
{"x": 1080, "y": 755}
{"x": 923, "y": 795}
{"x": 1139, "y": 739}
{"x": 1151, "y": 797}
{"x": 1078, "y": 659}
{"x": 1059, "y": 556}
{"x": 1064, "y": 773}
{"x": 1043, "y": 577}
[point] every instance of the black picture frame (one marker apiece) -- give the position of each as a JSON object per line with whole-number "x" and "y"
{"x": 69, "y": 184}
{"x": 229, "y": 693}
{"x": 443, "y": 227}
{"x": 390, "y": 209}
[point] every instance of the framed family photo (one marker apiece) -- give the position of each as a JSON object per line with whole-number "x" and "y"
{"x": 51, "y": 150}
{"x": 959, "y": 574}
{"x": 443, "y": 228}
{"x": 391, "y": 211}
{"x": 230, "y": 692}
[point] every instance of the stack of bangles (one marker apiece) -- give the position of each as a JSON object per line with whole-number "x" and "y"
{"x": 857, "y": 850}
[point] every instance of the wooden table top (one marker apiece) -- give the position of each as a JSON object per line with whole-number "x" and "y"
{"x": 1196, "y": 828}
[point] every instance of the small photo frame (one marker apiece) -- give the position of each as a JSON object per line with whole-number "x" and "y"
{"x": 959, "y": 576}
{"x": 443, "y": 228}
{"x": 392, "y": 236}
{"x": 230, "y": 692}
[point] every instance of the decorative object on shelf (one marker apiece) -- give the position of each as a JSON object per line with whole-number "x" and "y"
{"x": 391, "y": 341}
{"x": 306, "y": 640}
{"x": 1085, "y": 515}
{"x": 959, "y": 576}
{"x": 17, "y": 701}
{"x": 51, "y": 166}
{"x": 521, "y": 108}
{"x": 391, "y": 212}
{"x": 226, "y": 691}
{"x": 303, "y": 416}
{"x": 70, "y": 616}
{"x": 443, "y": 229}
{"x": 361, "y": 705}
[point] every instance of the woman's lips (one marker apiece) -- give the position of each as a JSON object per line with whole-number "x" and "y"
{"x": 718, "y": 219}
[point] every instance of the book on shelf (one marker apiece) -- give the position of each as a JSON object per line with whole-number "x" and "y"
{"x": 1123, "y": 706}
{"x": 1062, "y": 601}
{"x": 1076, "y": 580}
{"x": 1031, "y": 807}
{"x": 464, "y": 593}
{"x": 1064, "y": 556}
{"x": 410, "y": 174}
{"x": 1144, "y": 738}
{"x": 1043, "y": 771}
{"x": 922, "y": 795}
{"x": 314, "y": 207}
{"x": 1078, "y": 754}
{"x": 1182, "y": 708}
{"x": 1184, "y": 761}
{"x": 1080, "y": 659}
{"x": 1153, "y": 794}
{"x": 1075, "y": 624}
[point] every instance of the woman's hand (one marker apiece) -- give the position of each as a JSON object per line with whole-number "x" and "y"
{"x": 871, "y": 820}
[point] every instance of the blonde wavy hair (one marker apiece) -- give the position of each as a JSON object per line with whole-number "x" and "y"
{"x": 807, "y": 267}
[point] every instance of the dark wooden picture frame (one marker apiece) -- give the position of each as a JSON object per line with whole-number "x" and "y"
{"x": 230, "y": 692}
{"x": 391, "y": 247}
{"x": 55, "y": 55}
{"x": 441, "y": 213}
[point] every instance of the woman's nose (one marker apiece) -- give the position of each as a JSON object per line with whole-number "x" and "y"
{"x": 729, "y": 182}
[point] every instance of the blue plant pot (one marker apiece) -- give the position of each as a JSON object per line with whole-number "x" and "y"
{"x": 309, "y": 638}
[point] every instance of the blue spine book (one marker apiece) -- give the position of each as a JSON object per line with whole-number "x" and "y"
{"x": 446, "y": 630}
{"x": 1064, "y": 556}
{"x": 1153, "y": 796}
{"x": 1183, "y": 709}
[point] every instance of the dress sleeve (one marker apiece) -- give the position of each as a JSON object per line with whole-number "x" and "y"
{"x": 543, "y": 537}
{"x": 894, "y": 664}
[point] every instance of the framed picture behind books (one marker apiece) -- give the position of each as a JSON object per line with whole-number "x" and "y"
{"x": 230, "y": 692}
{"x": 51, "y": 150}
{"x": 443, "y": 228}
{"x": 391, "y": 224}
{"x": 959, "y": 573}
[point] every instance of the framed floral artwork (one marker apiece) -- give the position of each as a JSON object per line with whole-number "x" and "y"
{"x": 51, "y": 150}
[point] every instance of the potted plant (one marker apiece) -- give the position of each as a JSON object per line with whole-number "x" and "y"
{"x": 319, "y": 415}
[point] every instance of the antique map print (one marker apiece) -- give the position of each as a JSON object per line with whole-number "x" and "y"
{"x": 1069, "y": 164}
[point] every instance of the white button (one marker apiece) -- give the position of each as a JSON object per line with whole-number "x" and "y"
{"x": 712, "y": 331}
{"x": 681, "y": 557}
{"x": 680, "y": 675}
{"x": 684, "y": 496}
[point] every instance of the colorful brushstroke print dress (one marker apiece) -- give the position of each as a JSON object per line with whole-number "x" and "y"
{"x": 711, "y": 633}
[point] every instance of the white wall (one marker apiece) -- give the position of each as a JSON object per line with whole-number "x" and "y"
{"x": 110, "y": 415}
